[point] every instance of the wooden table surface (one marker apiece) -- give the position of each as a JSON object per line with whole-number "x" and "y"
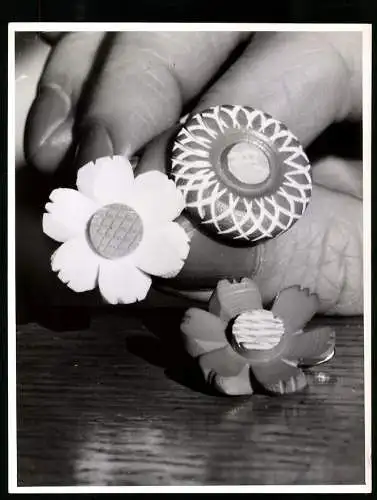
{"x": 117, "y": 404}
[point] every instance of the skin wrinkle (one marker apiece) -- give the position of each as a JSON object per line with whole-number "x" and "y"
{"x": 49, "y": 132}
{"x": 168, "y": 86}
{"x": 287, "y": 267}
{"x": 323, "y": 261}
{"x": 127, "y": 65}
{"x": 287, "y": 94}
{"x": 305, "y": 252}
{"x": 145, "y": 64}
{"x": 167, "y": 63}
{"x": 170, "y": 67}
{"x": 56, "y": 71}
{"x": 322, "y": 255}
{"x": 332, "y": 304}
{"x": 310, "y": 85}
{"x": 160, "y": 41}
{"x": 311, "y": 66}
{"x": 314, "y": 272}
{"x": 341, "y": 274}
{"x": 217, "y": 48}
{"x": 354, "y": 88}
{"x": 162, "y": 75}
{"x": 146, "y": 117}
{"x": 170, "y": 50}
{"x": 355, "y": 299}
{"x": 329, "y": 265}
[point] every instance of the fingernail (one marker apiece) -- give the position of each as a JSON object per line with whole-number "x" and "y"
{"x": 95, "y": 142}
{"x": 48, "y": 116}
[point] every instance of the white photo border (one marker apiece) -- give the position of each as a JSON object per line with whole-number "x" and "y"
{"x": 366, "y": 30}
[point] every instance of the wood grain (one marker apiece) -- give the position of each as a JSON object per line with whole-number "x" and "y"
{"x": 117, "y": 404}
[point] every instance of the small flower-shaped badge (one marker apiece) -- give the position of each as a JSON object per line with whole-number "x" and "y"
{"x": 237, "y": 342}
{"x": 116, "y": 230}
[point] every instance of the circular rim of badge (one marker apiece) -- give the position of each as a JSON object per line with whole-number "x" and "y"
{"x": 220, "y": 203}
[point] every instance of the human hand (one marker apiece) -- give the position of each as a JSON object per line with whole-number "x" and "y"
{"x": 136, "y": 96}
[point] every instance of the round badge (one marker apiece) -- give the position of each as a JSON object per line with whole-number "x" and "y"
{"x": 244, "y": 176}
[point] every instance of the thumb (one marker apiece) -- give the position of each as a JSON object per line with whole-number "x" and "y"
{"x": 323, "y": 252}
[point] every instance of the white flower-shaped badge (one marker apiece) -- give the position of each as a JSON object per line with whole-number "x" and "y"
{"x": 116, "y": 230}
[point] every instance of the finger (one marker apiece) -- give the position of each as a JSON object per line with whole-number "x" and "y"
{"x": 305, "y": 80}
{"x": 146, "y": 80}
{"x": 52, "y": 36}
{"x": 345, "y": 176}
{"x": 322, "y": 252}
{"x": 31, "y": 55}
{"x": 51, "y": 118}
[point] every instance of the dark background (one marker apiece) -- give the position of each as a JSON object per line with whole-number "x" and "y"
{"x": 299, "y": 11}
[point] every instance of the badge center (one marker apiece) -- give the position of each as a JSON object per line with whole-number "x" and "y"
{"x": 247, "y": 163}
{"x": 115, "y": 231}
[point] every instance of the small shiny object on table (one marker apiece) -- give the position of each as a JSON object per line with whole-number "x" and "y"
{"x": 104, "y": 406}
{"x": 241, "y": 348}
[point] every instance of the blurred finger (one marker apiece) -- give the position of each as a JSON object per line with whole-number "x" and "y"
{"x": 338, "y": 174}
{"x": 51, "y": 118}
{"x": 305, "y": 80}
{"x": 146, "y": 80}
{"x": 31, "y": 55}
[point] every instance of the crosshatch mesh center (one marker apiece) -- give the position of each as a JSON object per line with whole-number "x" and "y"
{"x": 115, "y": 231}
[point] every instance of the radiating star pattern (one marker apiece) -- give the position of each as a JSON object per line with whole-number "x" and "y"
{"x": 228, "y": 213}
